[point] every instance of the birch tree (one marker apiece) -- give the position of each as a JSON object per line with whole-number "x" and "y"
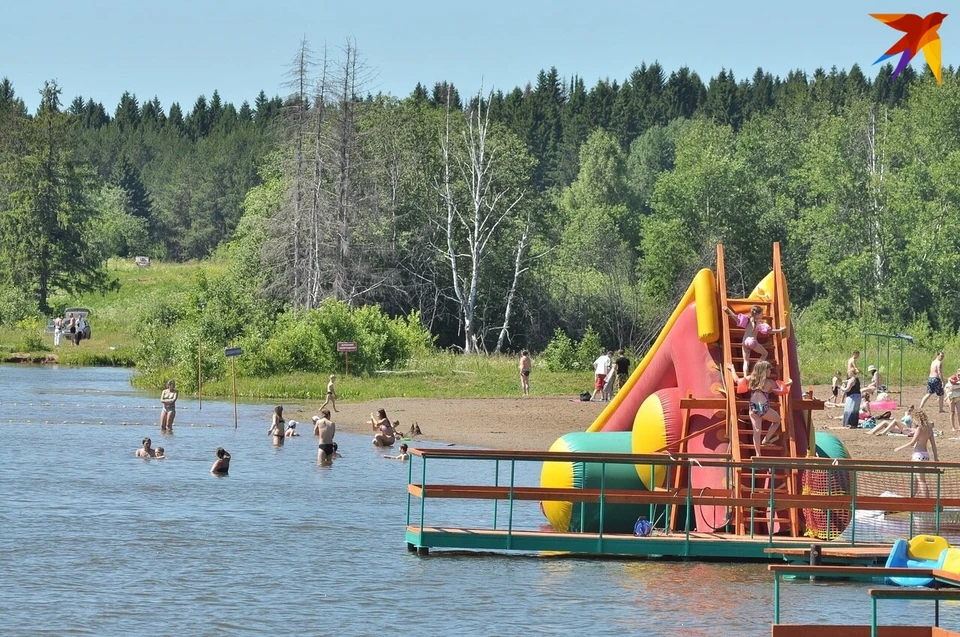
{"x": 482, "y": 184}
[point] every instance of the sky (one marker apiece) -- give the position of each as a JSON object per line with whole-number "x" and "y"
{"x": 177, "y": 50}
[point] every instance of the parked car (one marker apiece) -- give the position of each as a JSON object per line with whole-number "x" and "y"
{"x": 78, "y": 313}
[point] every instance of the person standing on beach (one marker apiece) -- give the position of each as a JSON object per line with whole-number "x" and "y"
{"x": 331, "y": 394}
{"x": 935, "y": 381}
{"x": 623, "y": 369}
{"x": 168, "y": 405}
{"x": 601, "y": 367}
{"x": 852, "y": 363}
{"x": 953, "y": 396}
{"x": 525, "y": 364}
{"x": 57, "y": 330}
{"x": 922, "y": 434}
{"x": 851, "y": 407}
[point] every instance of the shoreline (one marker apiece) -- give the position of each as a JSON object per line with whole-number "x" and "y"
{"x": 535, "y": 423}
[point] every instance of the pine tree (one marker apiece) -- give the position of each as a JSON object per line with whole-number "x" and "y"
{"x": 127, "y": 115}
{"x": 175, "y": 117}
{"x": 46, "y": 224}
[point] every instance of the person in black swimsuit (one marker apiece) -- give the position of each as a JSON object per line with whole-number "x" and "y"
{"x": 221, "y": 466}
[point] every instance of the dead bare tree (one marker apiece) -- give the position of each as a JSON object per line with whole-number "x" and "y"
{"x": 475, "y": 218}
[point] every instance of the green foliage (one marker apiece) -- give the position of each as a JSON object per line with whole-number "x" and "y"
{"x": 560, "y": 354}
{"x": 15, "y": 306}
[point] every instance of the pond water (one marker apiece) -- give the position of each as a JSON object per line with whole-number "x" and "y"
{"x": 96, "y": 542}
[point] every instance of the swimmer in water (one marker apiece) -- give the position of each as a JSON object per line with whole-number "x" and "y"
{"x": 221, "y": 466}
{"x": 146, "y": 451}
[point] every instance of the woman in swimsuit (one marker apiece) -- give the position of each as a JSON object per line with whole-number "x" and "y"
{"x": 953, "y": 396}
{"x": 753, "y": 327}
{"x": 922, "y": 434}
{"x": 168, "y": 401}
{"x": 760, "y": 386}
{"x": 894, "y": 427}
{"x": 277, "y": 426}
{"x": 387, "y": 434}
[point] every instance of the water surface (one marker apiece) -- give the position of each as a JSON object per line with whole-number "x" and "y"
{"x": 96, "y": 542}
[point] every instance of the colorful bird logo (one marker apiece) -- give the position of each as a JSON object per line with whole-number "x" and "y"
{"x": 921, "y": 35}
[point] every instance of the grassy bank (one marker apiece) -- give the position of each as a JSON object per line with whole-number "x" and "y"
{"x": 114, "y": 314}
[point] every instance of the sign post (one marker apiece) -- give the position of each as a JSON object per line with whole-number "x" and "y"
{"x": 199, "y": 376}
{"x": 346, "y": 347}
{"x": 232, "y": 353}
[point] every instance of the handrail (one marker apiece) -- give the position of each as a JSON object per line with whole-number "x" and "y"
{"x": 700, "y": 432}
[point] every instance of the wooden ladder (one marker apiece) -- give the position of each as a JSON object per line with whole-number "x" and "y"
{"x": 747, "y": 481}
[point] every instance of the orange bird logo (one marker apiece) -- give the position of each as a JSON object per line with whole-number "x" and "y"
{"x": 921, "y": 35}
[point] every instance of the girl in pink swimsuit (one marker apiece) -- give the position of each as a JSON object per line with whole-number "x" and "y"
{"x": 753, "y": 326}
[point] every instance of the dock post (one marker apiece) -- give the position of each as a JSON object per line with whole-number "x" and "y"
{"x": 815, "y": 558}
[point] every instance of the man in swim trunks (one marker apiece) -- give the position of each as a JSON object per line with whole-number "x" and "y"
{"x": 146, "y": 451}
{"x": 326, "y": 429}
{"x": 525, "y": 364}
{"x": 935, "y": 381}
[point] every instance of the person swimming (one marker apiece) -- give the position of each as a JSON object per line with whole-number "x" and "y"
{"x": 221, "y": 466}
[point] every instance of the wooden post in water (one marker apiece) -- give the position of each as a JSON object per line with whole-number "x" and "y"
{"x": 233, "y": 368}
{"x": 199, "y": 376}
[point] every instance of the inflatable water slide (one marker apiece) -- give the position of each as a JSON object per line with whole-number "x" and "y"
{"x": 677, "y": 402}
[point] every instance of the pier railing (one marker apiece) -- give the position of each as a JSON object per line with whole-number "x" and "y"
{"x": 912, "y": 497}
{"x": 945, "y": 588}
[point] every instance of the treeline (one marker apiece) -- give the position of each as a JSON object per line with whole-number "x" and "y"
{"x": 503, "y": 216}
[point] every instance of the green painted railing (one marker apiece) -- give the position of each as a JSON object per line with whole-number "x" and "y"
{"x": 769, "y": 505}
{"x": 944, "y": 586}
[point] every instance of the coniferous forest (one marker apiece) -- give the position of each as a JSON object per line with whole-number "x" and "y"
{"x": 501, "y": 219}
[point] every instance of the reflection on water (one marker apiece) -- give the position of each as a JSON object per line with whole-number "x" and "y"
{"x": 94, "y": 541}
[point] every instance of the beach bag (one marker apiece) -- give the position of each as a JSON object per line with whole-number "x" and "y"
{"x": 643, "y": 527}
{"x": 585, "y": 397}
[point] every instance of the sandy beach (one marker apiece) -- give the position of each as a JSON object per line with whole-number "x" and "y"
{"x": 534, "y": 423}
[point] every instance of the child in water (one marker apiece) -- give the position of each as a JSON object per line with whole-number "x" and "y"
{"x": 403, "y": 456}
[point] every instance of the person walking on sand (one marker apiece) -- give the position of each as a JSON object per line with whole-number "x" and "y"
{"x": 922, "y": 434}
{"x": 168, "y": 405}
{"x": 277, "y": 426}
{"x": 331, "y": 394}
{"x": 525, "y": 364}
{"x": 753, "y": 327}
{"x": 221, "y": 466}
{"x": 935, "y": 381}
{"x": 835, "y": 387}
{"x": 326, "y": 429}
{"x": 760, "y": 386}
{"x": 601, "y": 367}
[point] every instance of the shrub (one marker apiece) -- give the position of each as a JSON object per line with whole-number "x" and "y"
{"x": 15, "y": 306}
{"x": 560, "y": 354}
{"x": 589, "y": 347}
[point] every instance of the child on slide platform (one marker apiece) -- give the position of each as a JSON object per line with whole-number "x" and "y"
{"x": 753, "y": 326}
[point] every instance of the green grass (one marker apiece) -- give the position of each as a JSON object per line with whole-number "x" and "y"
{"x": 112, "y": 315}
{"x": 442, "y": 375}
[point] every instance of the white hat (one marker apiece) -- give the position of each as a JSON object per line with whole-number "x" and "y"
{"x": 292, "y": 425}
{"x": 316, "y": 418}
{"x": 871, "y": 368}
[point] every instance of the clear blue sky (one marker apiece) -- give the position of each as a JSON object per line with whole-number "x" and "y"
{"x": 179, "y": 49}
